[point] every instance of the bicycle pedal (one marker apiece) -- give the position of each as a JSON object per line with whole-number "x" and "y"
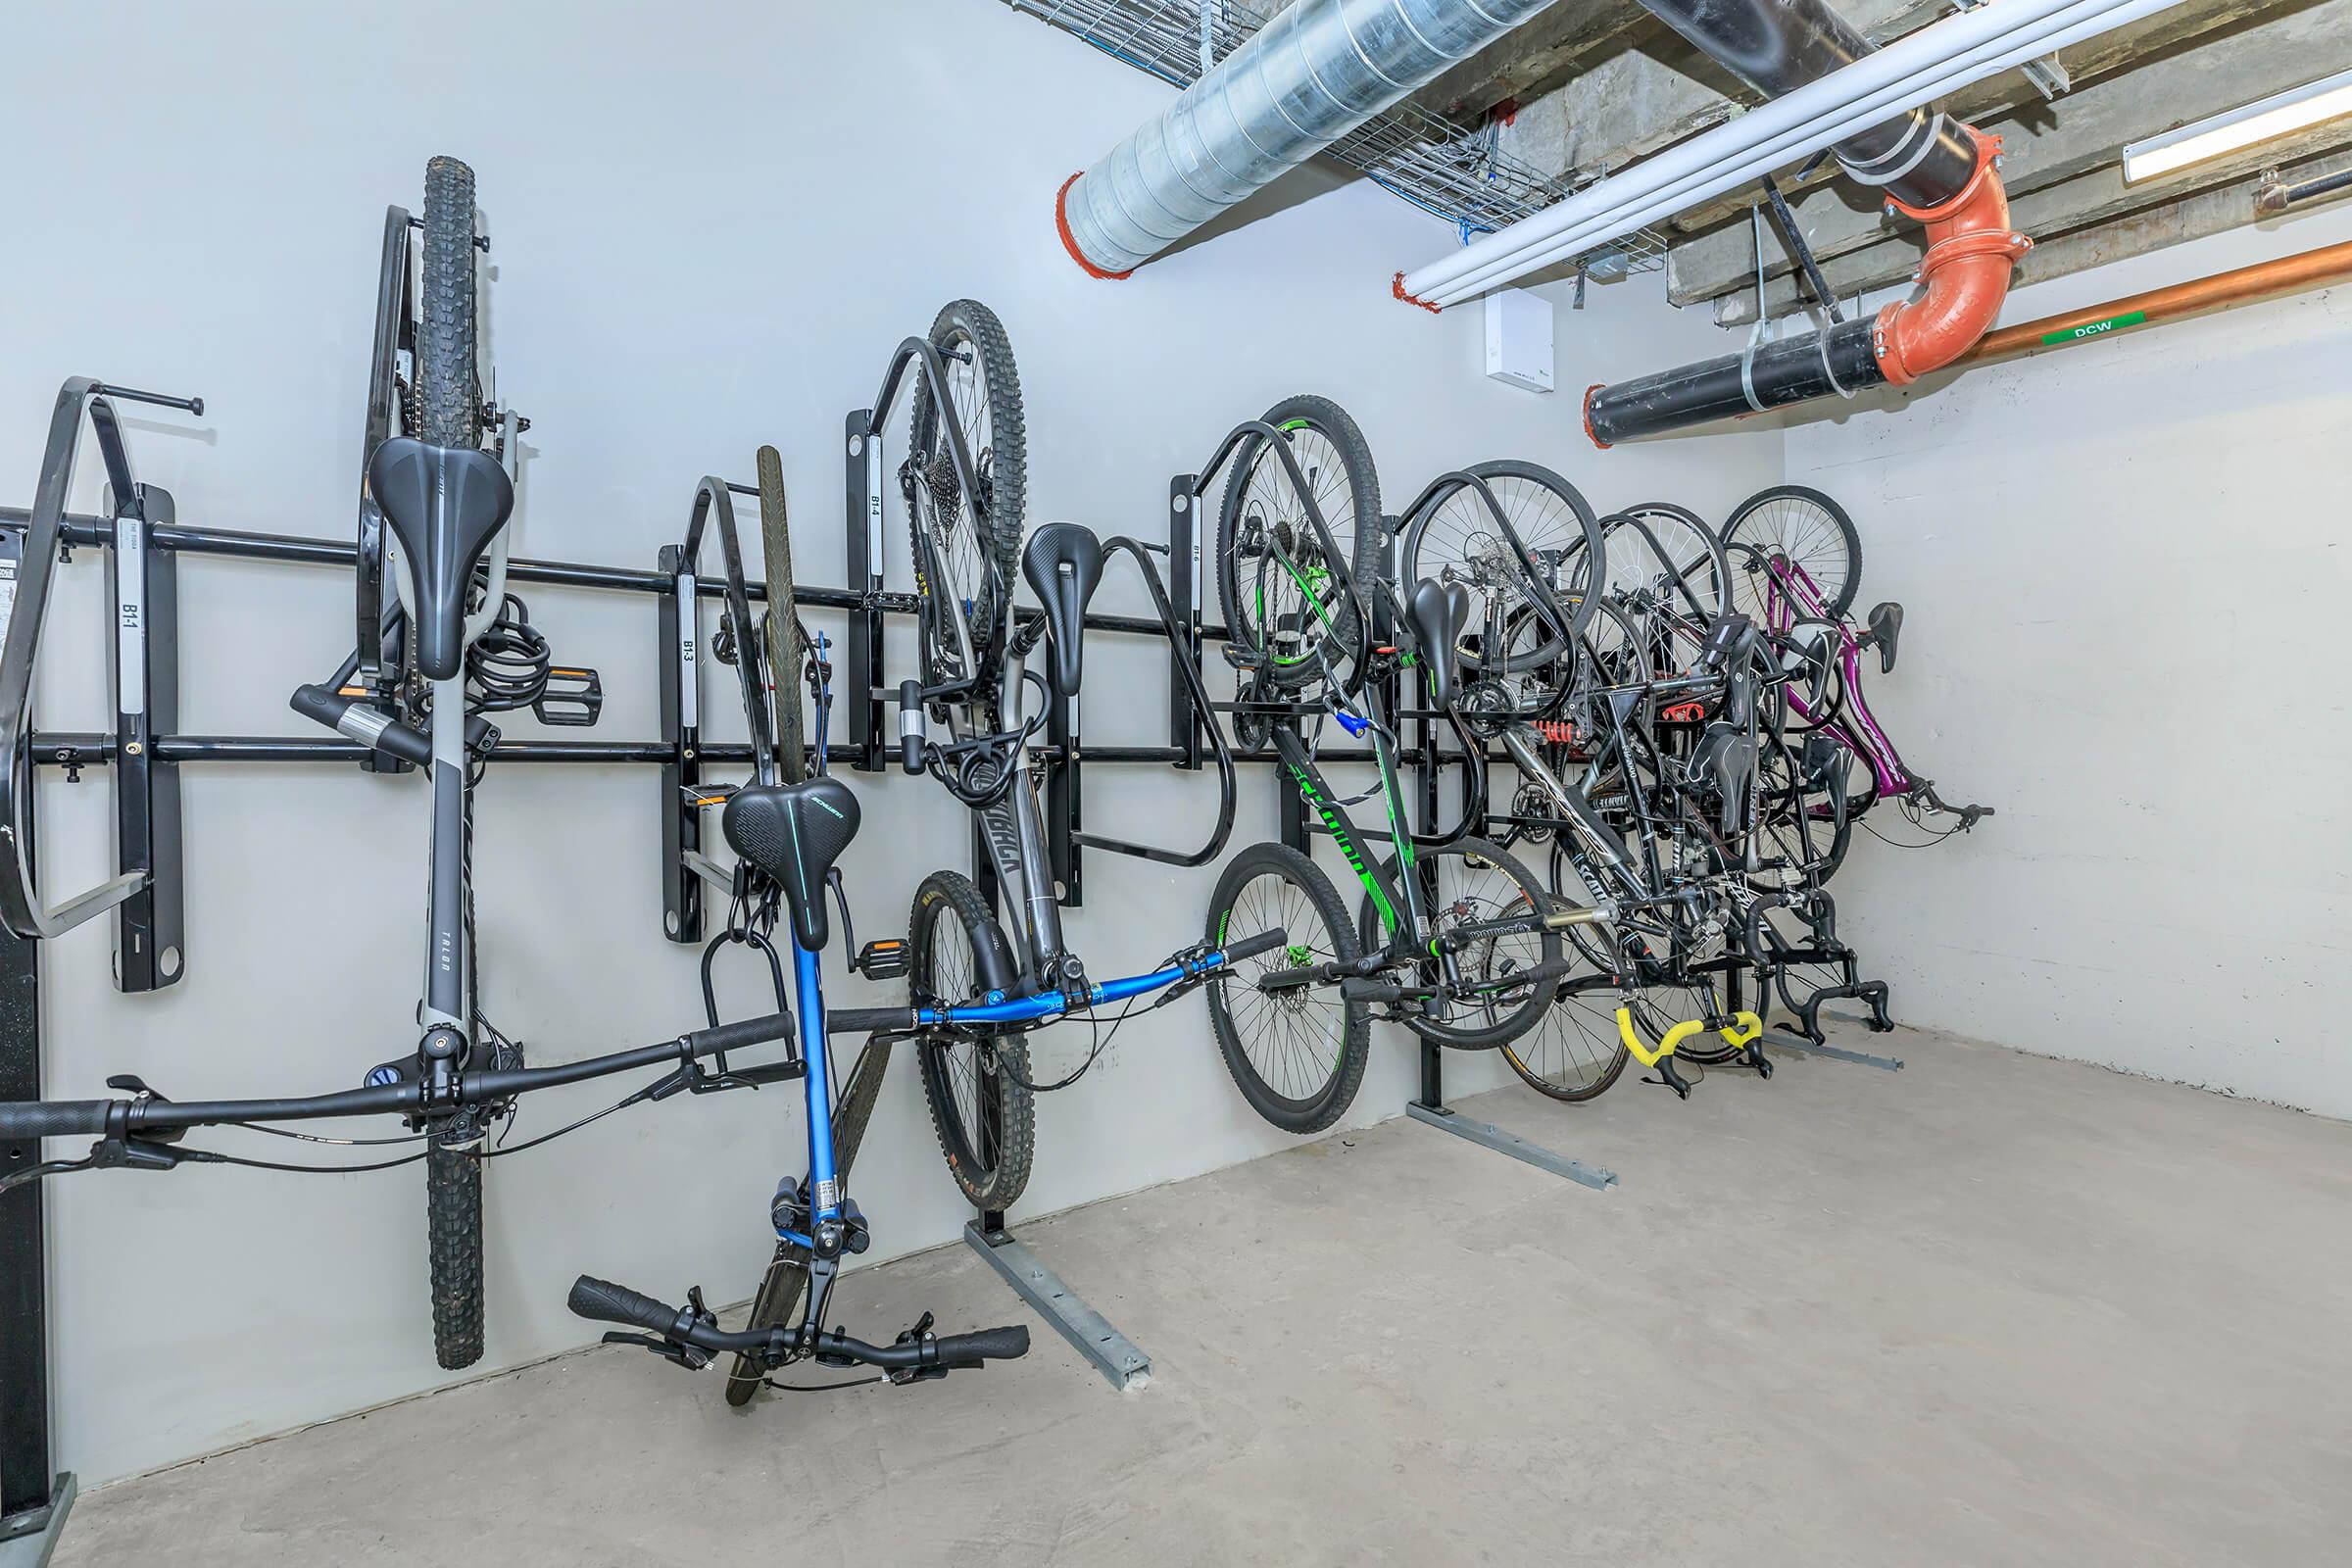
{"x": 574, "y": 699}
{"x": 884, "y": 959}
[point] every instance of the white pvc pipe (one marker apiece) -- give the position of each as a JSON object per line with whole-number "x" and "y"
{"x": 1925, "y": 50}
{"x": 1886, "y": 82}
{"x": 1880, "y": 77}
{"x": 2043, "y": 39}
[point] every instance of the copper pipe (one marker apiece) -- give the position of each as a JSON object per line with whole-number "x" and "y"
{"x": 2244, "y": 285}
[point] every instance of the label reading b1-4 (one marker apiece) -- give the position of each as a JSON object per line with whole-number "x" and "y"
{"x": 2076, "y": 335}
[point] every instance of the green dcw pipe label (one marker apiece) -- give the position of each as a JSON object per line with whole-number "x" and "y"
{"x": 2076, "y": 335}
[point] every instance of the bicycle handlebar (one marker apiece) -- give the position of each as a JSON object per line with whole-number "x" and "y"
{"x": 153, "y": 1114}
{"x": 603, "y": 1302}
{"x": 54, "y": 1118}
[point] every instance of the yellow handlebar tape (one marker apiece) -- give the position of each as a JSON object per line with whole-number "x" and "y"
{"x": 1747, "y": 1026}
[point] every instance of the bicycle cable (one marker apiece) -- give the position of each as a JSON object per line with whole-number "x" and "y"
{"x": 509, "y": 664}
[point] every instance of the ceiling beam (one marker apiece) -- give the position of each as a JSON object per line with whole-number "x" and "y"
{"x": 2095, "y": 204}
{"x": 1531, "y": 59}
{"x": 2050, "y": 145}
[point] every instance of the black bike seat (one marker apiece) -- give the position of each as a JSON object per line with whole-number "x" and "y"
{"x": 1436, "y": 609}
{"x": 445, "y": 504}
{"x": 1886, "y": 630}
{"x": 1063, "y": 561}
{"x": 793, "y": 834}
{"x": 1723, "y": 760}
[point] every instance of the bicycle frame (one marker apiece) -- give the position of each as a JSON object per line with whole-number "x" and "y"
{"x": 1791, "y": 595}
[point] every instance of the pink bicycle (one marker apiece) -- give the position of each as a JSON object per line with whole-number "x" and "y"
{"x": 1795, "y": 560}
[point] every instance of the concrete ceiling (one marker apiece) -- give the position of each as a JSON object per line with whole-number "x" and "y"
{"x": 1590, "y": 86}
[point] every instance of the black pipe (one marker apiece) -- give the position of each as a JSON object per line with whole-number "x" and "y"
{"x": 1777, "y": 46}
{"x": 1796, "y": 369}
{"x": 1920, "y": 158}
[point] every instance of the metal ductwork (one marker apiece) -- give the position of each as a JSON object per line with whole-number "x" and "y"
{"x": 1932, "y": 169}
{"x": 1313, "y": 74}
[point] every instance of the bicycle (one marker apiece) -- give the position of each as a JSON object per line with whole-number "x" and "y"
{"x": 1806, "y": 615}
{"x": 1453, "y": 937}
{"x": 1648, "y": 795}
{"x": 449, "y": 647}
{"x": 963, "y": 482}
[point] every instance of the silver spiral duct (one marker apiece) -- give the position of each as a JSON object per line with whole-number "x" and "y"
{"x": 1309, "y": 76}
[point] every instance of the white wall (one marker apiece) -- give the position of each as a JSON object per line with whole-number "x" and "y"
{"x": 710, "y": 231}
{"x": 2125, "y": 573}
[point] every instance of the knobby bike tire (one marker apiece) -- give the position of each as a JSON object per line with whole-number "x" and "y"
{"x": 784, "y": 652}
{"x": 1326, "y": 1102}
{"x": 447, "y": 377}
{"x": 991, "y": 1178}
{"x": 1357, "y": 531}
{"x": 969, "y": 328}
{"x": 453, "y": 1222}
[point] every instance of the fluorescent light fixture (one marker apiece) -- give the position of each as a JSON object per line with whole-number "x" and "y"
{"x": 2280, "y": 115}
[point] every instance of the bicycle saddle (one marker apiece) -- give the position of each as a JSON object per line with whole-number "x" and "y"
{"x": 1436, "y": 611}
{"x": 793, "y": 833}
{"x": 1723, "y": 760}
{"x": 1063, "y": 561}
{"x": 444, "y": 506}
{"x": 1885, "y": 630}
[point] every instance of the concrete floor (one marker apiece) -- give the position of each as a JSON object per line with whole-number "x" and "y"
{"x": 1991, "y": 1309}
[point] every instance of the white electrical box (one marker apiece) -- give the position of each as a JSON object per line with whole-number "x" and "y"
{"x": 1519, "y": 339}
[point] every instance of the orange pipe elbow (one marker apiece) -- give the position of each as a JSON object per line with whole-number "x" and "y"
{"x": 1971, "y": 250}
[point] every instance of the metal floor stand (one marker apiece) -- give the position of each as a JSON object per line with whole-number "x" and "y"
{"x": 1089, "y": 1332}
{"x": 1789, "y": 1042}
{"x": 1122, "y": 1365}
{"x": 32, "y": 1536}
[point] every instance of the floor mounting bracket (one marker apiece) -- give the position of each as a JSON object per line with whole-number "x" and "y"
{"x": 1490, "y": 1136}
{"x": 1089, "y": 1332}
{"x": 33, "y": 1536}
{"x": 1782, "y": 1039}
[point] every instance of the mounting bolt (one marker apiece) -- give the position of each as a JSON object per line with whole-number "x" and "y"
{"x": 133, "y": 749}
{"x": 857, "y": 445}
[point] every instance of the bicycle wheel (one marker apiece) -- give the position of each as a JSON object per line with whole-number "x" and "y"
{"x": 784, "y": 639}
{"x": 1280, "y": 595}
{"x": 449, "y": 414}
{"x": 1453, "y": 537}
{"x": 1811, "y": 531}
{"x": 1664, "y": 555}
{"x": 977, "y": 1087}
{"x": 449, "y": 390}
{"x": 1298, "y": 1056}
{"x": 1478, "y": 882}
{"x": 964, "y": 544}
{"x": 453, "y": 1224}
{"x": 1574, "y": 1052}
{"x": 1801, "y": 799}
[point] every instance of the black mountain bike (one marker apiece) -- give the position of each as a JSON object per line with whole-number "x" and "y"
{"x": 445, "y": 650}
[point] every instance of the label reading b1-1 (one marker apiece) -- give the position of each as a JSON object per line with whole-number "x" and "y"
{"x": 2076, "y": 335}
